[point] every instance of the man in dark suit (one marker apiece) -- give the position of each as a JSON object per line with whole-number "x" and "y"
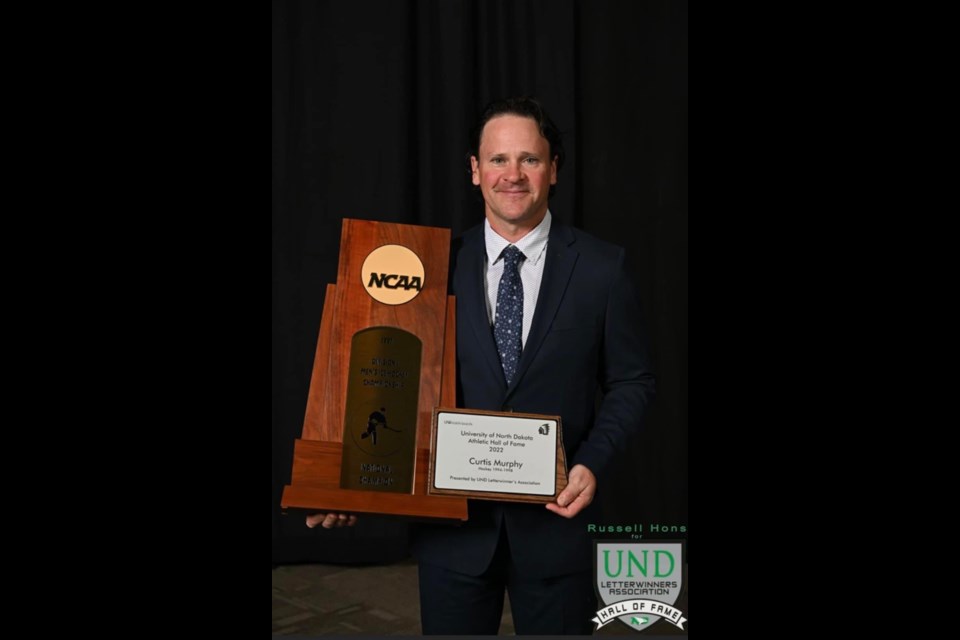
{"x": 547, "y": 321}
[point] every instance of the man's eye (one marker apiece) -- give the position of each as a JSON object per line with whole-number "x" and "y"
{"x": 531, "y": 160}
{"x": 497, "y": 160}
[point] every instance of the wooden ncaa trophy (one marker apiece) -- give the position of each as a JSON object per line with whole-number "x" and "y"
{"x": 385, "y": 359}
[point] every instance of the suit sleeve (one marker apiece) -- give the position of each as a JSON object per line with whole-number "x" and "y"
{"x": 626, "y": 377}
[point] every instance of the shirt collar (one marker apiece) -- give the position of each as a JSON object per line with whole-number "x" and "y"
{"x": 532, "y": 245}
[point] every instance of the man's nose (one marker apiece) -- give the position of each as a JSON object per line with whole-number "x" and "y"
{"x": 514, "y": 173}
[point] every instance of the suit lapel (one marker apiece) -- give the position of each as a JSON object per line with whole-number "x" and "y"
{"x": 561, "y": 258}
{"x": 472, "y": 304}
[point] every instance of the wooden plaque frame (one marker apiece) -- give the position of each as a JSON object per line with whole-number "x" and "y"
{"x": 502, "y": 496}
{"x": 348, "y": 308}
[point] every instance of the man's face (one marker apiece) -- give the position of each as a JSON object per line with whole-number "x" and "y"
{"x": 514, "y": 172}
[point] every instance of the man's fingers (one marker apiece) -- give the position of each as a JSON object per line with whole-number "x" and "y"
{"x": 331, "y": 520}
{"x": 566, "y": 512}
{"x": 567, "y": 496}
{"x": 581, "y": 485}
{"x": 573, "y": 508}
{"x": 572, "y": 491}
{"x": 314, "y": 519}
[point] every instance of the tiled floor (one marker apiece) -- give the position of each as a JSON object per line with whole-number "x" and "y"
{"x": 321, "y": 599}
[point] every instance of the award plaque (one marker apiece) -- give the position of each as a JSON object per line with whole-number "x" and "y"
{"x": 490, "y": 455}
{"x": 385, "y": 359}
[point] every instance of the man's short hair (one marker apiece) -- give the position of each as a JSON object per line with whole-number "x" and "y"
{"x": 526, "y": 107}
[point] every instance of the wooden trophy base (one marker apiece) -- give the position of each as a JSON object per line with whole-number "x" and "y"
{"x": 315, "y": 484}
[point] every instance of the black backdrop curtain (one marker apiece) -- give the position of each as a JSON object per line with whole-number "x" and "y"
{"x": 371, "y": 104}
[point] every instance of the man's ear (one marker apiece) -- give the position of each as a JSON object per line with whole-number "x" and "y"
{"x": 475, "y": 170}
{"x": 553, "y": 170}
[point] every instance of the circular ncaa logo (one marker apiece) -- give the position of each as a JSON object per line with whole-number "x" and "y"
{"x": 392, "y": 274}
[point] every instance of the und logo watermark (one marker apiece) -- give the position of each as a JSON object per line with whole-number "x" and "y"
{"x": 638, "y": 583}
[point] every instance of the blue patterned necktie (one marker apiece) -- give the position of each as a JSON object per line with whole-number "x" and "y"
{"x": 508, "y": 321}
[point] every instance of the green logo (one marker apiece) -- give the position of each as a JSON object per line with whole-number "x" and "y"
{"x": 639, "y": 583}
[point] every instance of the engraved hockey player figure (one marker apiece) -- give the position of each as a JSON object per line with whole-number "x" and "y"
{"x": 377, "y": 419}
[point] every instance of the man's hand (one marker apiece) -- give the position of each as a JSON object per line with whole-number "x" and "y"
{"x": 331, "y": 520}
{"x": 579, "y": 492}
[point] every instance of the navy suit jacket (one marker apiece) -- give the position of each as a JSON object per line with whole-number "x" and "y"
{"x": 586, "y": 337}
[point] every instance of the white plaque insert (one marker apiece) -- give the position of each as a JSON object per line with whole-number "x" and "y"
{"x": 505, "y": 454}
